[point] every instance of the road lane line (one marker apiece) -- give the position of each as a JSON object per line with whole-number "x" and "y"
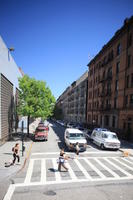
{"x": 43, "y": 171}
{"x": 106, "y": 168}
{"x": 123, "y": 164}
{"x": 10, "y": 192}
{"x": 71, "y": 172}
{"x": 69, "y": 153}
{"x": 129, "y": 161}
{"x": 83, "y": 170}
{"x": 117, "y": 167}
{"x": 95, "y": 169}
{"x": 29, "y": 171}
{"x": 57, "y": 173}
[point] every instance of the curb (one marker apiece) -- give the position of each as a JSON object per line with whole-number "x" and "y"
{"x": 27, "y": 157}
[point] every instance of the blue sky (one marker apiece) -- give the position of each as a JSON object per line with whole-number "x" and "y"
{"x": 55, "y": 39}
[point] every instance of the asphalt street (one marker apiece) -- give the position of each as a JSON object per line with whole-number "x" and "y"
{"x": 94, "y": 174}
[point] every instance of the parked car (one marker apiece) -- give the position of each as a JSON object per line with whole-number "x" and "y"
{"x": 46, "y": 127}
{"x": 72, "y": 136}
{"x": 41, "y": 133}
{"x": 105, "y": 139}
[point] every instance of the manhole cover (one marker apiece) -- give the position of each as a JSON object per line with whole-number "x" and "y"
{"x": 50, "y": 193}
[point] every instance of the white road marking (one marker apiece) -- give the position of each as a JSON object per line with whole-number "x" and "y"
{"x": 73, "y": 179}
{"x": 106, "y": 168}
{"x": 83, "y": 170}
{"x": 29, "y": 171}
{"x": 123, "y": 164}
{"x": 43, "y": 171}
{"x": 117, "y": 167}
{"x": 127, "y": 161}
{"x": 72, "y": 153}
{"x": 57, "y": 173}
{"x": 95, "y": 169}
{"x": 10, "y": 192}
{"x": 71, "y": 172}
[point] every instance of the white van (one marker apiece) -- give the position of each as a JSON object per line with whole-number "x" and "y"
{"x": 72, "y": 136}
{"x": 105, "y": 139}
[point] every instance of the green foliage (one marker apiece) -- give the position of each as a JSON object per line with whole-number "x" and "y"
{"x": 35, "y": 99}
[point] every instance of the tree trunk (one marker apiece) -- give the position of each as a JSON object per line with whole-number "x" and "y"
{"x": 28, "y": 122}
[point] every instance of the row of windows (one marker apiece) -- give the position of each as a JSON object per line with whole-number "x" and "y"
{"x": 129, "y": 81}
{"x": 110, "y": 55}
{"x": 129, "y": 99}
{"x": 94, "y": 119}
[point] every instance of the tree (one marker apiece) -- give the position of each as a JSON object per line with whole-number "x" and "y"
{"x": 35, "y": 99}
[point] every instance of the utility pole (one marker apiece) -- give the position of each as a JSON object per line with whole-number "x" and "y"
{"x": 22, "y": 128}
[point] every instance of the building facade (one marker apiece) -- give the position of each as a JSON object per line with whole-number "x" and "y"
{"x": 110, "y": 84}
{"x": 9, "y": 74}
{"x": 73, "y": 101}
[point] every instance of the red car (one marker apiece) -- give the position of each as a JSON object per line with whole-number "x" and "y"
{"x": 41, "y": 124}
{"x": 41, "y": 133}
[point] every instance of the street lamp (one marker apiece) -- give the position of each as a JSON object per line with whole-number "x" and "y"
{"x": 9, "y": 50}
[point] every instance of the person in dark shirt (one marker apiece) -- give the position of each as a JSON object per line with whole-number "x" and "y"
{"x": 16, "y": 153}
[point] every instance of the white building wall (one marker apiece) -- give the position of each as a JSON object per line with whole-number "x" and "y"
{"x": 8, "y": 66}
{"x": 9, "y": 69}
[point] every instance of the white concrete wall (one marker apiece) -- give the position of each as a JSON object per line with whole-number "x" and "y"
{"x": 8, "y": 66}
{"x": 9, "y": 69}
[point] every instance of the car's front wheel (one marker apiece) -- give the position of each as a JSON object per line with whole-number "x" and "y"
{"x": 102, "y": 146}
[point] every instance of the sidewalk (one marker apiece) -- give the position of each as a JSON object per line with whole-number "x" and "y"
{"x": 6, "y": 156}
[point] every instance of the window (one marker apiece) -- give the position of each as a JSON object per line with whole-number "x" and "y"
{"x": 103, "y": 74}
{"x": 116, "y": 85}
{"x": 117, "y": 67}
{"x": 126, "y": 100}
{"x": 106, "y": 120}
{"x": 129, "y": 61}
{"x": 131, "y": 80}
{"x": 118, "y": 49}
{"x": 115, "y": 102}
{"x": 131, "y": 98}
{"x": 127, "y": 81}
{"x": 130, "y": 40}
{"x": 110, "y": 72}
{"x": 113, "y": 121}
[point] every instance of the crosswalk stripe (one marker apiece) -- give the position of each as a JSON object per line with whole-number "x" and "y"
{"x": 105, "y": 167}
{"x": 127, "y": 161}
{"x": 83, "y": 170}
{"x": 29, "y": 172}
{"x": 43, "y": 171}
{"x": 71, "y": 172}
{"x": 124, "y": 164}
{"x": 95, "y": 169}
{"x": 119, "y": 168}
{"x": 57, "y": 173}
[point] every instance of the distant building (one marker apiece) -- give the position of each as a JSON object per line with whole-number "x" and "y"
{"x": 9, "y": 88}
{"x": 73, "y": 101}
{"x": 110, "y": 84}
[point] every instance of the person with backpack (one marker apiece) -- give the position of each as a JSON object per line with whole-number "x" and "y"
{"x": 15, "y": 150}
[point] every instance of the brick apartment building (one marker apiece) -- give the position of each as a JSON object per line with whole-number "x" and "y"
{"x": 9, "y": 73}
{"x": 110, "y": 84}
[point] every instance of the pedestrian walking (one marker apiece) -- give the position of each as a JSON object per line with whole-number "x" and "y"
{"x": 77, "y": 148}
{"x": 15, "y": 150}
{"x": 62, "y": 159}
